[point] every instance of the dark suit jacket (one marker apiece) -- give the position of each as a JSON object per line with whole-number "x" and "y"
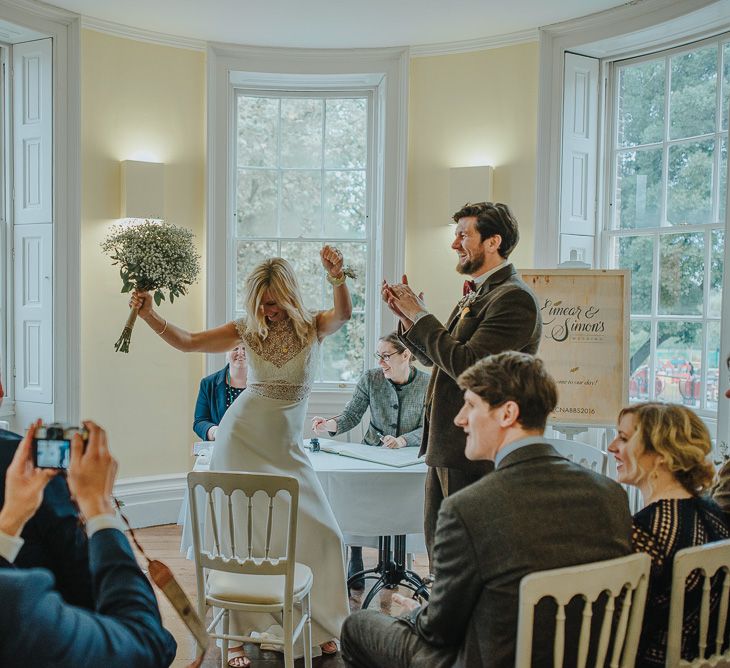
{"x": 211, "y": 403}
{"x": 537, "y": 511}
{"x": 38, "y": 629}
{"x": 53, "y": 537}
{"x": 504, "y": 316}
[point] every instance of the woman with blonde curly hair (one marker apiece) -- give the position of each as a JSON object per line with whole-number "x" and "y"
{"x": 262, "y": 430}
{"x": 664, "y": 449}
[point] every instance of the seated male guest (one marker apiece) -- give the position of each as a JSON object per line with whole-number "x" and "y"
{"x": 537, "y": 511}
{"x": 37, "y": 628}
{"x": 52, "y": 538}
{"x": 217, "y": 392}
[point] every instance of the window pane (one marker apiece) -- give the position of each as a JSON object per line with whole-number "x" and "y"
{"x": 639, "y": 188}
{"x": 301, "y": 203}
{"x": 301, "y": 132}
{"x": 344, "y": 213}
{"x": 693, "y": 93}
{"x": 637, "y": 254}
{"x": 257, "y": 131}
{"x": 713, "y": 365}
{"x": 678, "y": 362}
{"x": 716, "y": 269}
{"x": 345, "y": 145}
{"x": 639, "y": 351}
{"x": 723, "y": 180}
{"x": 725, "y": 85}
{"x": 304, "y": 258}
{"x": 641, "y": 103}
{"x": 248, "y": 255}
{"x": 256, "y": 203}
{"x": 681, "y": 273}
{"x": 689, "y": 197}
{"x": 343, "y": 352}
{"x": 355, "y": 255}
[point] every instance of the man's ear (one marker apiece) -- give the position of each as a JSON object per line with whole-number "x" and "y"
{"x": 492, "y": 244}
{"x": 510, "y": 414}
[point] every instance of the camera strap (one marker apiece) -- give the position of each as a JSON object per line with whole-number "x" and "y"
{"x": 165, "y": 580}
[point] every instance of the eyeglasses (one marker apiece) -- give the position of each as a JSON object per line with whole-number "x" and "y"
{"x": 386, "y": 357}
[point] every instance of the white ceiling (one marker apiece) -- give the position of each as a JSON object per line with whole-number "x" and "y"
{"x": 335, "y": 23}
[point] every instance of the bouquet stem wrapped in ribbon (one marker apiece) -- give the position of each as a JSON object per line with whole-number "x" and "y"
{"x": 152, "y": 257}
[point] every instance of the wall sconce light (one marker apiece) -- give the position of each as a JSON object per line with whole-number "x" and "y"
{"x": 469, "y": 184}
{"x": 143, "y": 194}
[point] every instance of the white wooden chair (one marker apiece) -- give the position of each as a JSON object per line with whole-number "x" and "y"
{"x": 624, "y": 579}
{"x": 708, "y": 560}
{"x": 581, "y": 453}
{"x": 243, "y": 562}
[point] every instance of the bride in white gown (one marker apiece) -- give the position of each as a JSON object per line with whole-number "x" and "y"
{"x": 262, "y": 430}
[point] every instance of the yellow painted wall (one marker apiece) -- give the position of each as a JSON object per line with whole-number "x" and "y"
{"x": 464, "y": 110}
{"x": 139, "y": 101}
{"x": 142, "y": 101}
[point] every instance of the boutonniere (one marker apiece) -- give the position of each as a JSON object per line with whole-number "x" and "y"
{"x": 465, "y": 303}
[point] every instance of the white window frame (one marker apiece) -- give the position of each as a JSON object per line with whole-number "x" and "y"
{"x": 624, "y": 32}
{"x": 607, "y": 234}
{"x": 369, "y": 93}
{"x": 384, "y": 72}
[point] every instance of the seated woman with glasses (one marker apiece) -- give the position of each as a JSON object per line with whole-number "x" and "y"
{"x": 663, "y": 449}
{"x": 394, "y": 393}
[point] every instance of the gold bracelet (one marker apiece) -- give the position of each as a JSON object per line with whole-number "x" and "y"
{"x": 164, "y": 329}
{"x": 335, "y": 281}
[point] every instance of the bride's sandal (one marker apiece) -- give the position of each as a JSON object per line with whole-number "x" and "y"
{"x": 329, "y": 647}
{"x": 237, "y": 659}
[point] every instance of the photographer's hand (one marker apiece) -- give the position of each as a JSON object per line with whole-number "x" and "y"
{"x": 24, "y": 485}
{"x": 91, "y": 473}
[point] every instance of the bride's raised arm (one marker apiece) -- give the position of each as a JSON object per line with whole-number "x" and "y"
{"x": 328, "y": 322}
{"x": 217, "y": 340}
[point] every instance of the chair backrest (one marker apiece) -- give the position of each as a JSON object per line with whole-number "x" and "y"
{"x": 623, "y": 580}
{"x": 234, "y": 532}
{"x": 707, "y": 560}
{"x": 581, "y": 453}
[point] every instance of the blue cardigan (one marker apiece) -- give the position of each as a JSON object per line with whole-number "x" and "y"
{"x": 211, "y": 403}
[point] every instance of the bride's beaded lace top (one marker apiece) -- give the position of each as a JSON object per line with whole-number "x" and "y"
{"x": 280, "y": 366}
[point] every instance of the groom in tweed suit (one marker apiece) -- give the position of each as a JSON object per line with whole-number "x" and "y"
{"x": 498, "y": 312}
{"x": 537, "y": 511}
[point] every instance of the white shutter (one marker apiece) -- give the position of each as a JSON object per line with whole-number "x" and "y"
{"x": 32, "y": 246}
{"x": 579, "y": 155}
{"x": 33, "y": 132}
{"x": 33, "y": 221}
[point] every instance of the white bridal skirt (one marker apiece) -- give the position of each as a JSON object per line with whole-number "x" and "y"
{"x": 262, "y": 435}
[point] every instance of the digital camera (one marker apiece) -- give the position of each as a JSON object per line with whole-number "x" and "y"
{"x": 52, "y": 445}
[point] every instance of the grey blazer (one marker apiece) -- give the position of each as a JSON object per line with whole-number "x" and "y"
{"x": 395, "y": 410}
{"x": 504, "y": 316}
{"x": 537, "y": 511}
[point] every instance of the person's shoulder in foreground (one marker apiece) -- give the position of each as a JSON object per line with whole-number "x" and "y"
{"x": 36, "y": 626}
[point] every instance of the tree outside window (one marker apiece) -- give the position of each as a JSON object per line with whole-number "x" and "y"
{"x": 669, "y": 167}
{"x": 302, "y": 181}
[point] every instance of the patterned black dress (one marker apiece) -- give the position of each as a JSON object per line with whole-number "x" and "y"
{"x": 660, "y": 530}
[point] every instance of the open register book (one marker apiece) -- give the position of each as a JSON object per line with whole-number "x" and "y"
{"x": 397, "y": 458}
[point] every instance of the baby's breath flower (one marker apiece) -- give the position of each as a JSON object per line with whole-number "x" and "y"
{"x": 152, "y": 257}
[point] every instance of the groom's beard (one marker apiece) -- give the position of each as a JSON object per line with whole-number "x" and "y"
{"x": 471, "y": 266}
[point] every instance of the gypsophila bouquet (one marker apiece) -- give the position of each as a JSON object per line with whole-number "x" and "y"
{"x": 152, "y": 257}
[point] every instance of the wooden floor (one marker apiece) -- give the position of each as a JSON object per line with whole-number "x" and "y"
{"x": 163, "y": 543}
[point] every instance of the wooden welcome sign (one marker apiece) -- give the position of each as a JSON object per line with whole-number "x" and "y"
{"x": 585, "y": 331}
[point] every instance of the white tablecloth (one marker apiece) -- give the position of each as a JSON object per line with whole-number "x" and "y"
{"x": 367, "y": 499}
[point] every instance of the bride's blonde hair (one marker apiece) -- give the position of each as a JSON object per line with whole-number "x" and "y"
{"x": 277, "y": 276}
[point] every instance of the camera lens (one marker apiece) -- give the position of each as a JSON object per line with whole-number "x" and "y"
{"x": 54, "y": 433}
